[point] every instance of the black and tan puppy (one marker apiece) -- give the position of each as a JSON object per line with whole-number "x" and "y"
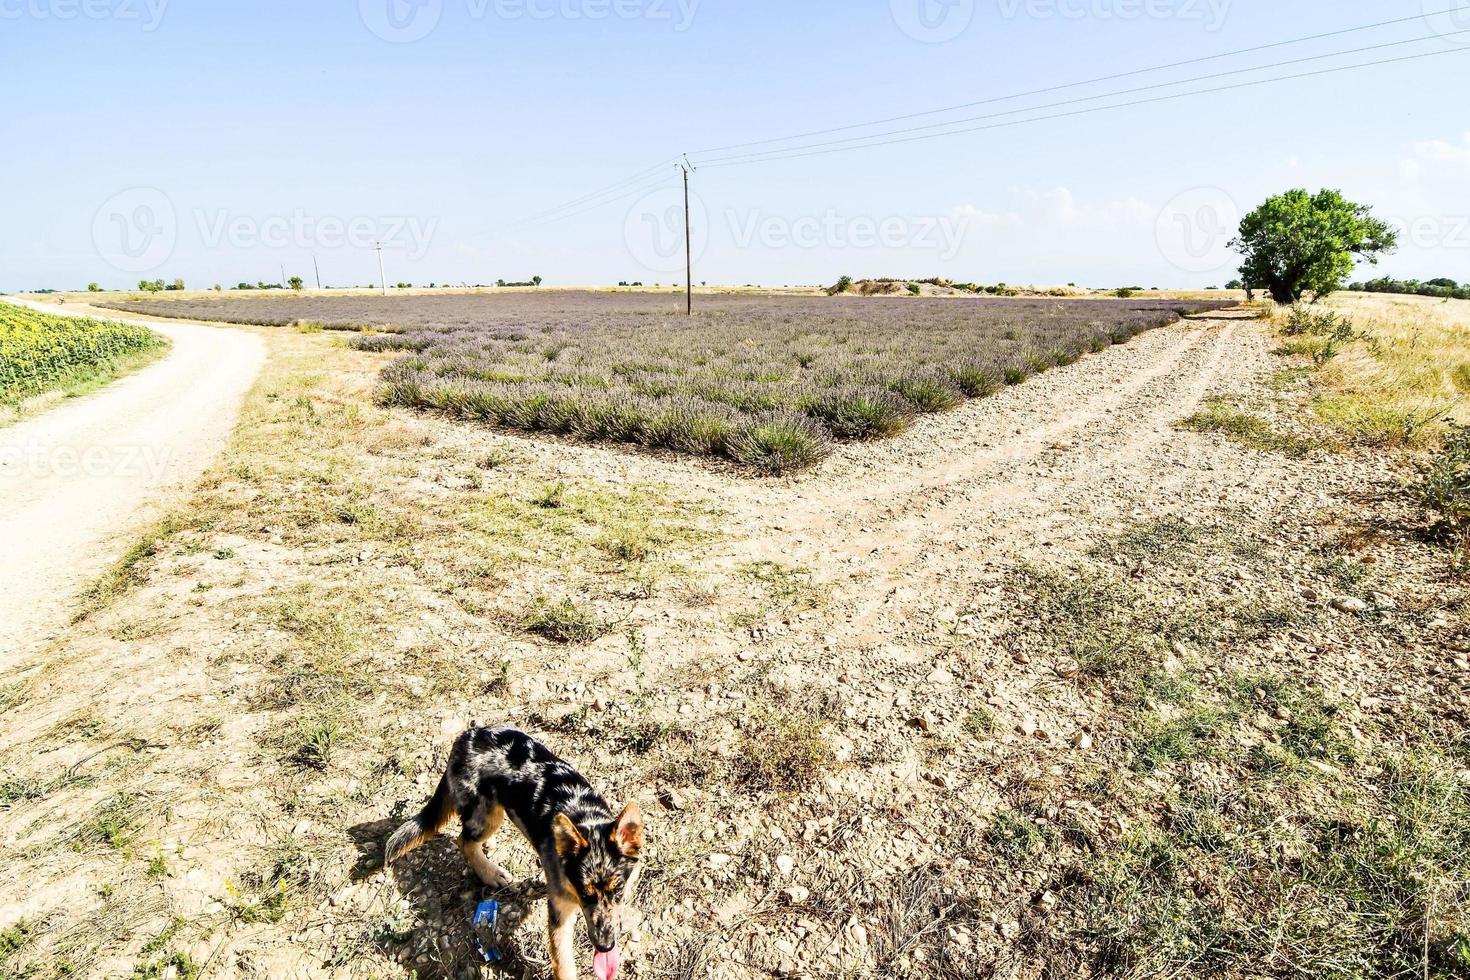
{"x": 590, "y": 856}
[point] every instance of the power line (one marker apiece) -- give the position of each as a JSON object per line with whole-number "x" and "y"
{"x": 1088, "y": 98}
{"x": 662, "y": 182}
{"x": 1459, "y": 8}
{"x": 793, "y": 154}
{"x": 640, "y": 175}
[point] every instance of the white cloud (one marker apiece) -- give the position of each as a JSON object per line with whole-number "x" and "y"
{"x": 1437, "y": 156}
{"x": 1058, "y": 207}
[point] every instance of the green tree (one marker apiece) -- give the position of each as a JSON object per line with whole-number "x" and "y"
{"x": 535, "y": 280}
{"x": 1298, "y": 242}
{"x": 296, "y": 283}
{"x": 92, "y": 287}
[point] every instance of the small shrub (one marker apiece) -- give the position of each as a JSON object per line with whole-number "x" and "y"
{"x": 779, "y": 443}
{"x": 929, "y": 393}
{"x": 976, "y": 381}
{"x": 1302, "y": 321}
{"x": 1015, "y": 835}
{"x": 564, "y": 622}
{"x": 1444, "y": 489}
{"x": 318, "y": 738}
{"x": 862, "y": 413}
{"x": 552, "y": 497}
{"x": 782, "y": 752}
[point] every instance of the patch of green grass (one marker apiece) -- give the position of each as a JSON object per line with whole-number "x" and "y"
{"x": 551, "y": 497}
{"x": 564, "y": 622}
{"x": 15, "y": 790}
{"x": 114, "y": 824}
{"x": 782, "y": 751}
{"x": 1017, "y": 836}
{"x": 980, "y": 721}
{"x": 1356, "y": 881}
{"x": 318, "y": 739}
{"x": 1312, "y": 725}
{"x": 1110, "y": 629}
{"x": 789, "y": 586}
{"x": 270, "y": 906}
{"x": 1165, "y": 538}
{"x": 1194, "y": 734}
{"x": 15, "y": 938}
{"x": 129, "y": 571}
{"x": 1221, "y": 417}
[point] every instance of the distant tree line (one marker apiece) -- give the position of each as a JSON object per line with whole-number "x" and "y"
{"x": 156, "y": 286}
{"x": 1439, "y": 288}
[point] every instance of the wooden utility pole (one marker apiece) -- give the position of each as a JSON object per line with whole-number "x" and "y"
{"x": 686, "y": 166}
{"x": 318, "y": 269}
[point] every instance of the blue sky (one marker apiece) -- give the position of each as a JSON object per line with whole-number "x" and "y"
{"x": 222, "y": 141}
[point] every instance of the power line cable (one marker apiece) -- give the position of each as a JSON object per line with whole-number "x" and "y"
{"x": 1459, "y": 8}
{"x": 657, "y": 185}
{"x": 640, "y": 175}
{"x": 1088, "y": 98}
{"x": 793, "y": 154}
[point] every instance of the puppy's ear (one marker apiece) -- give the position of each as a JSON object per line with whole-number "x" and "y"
{"x": 568, "y": 839}
{"x": 627, "y": 832}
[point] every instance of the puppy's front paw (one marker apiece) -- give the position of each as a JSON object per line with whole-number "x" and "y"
{"x": 493, "y": 877}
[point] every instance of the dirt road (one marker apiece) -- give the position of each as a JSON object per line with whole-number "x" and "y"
{"x": 893, "y": 686}
{"x": 75, "y": 479}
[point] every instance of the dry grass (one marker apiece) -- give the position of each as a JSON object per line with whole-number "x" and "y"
{"x": 1411, "y": 373}
{"x": 351, "y": 586}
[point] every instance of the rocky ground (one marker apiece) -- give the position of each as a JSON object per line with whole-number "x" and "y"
{"x": 1048, "y": 686}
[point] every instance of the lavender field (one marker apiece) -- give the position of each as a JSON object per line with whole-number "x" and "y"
{"x": 767, "y": 383}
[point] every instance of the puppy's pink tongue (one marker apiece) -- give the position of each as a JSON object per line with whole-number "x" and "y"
{"x": 605, "y": 965}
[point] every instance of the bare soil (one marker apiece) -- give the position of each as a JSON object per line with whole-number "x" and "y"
{"x": 863, "y": 707}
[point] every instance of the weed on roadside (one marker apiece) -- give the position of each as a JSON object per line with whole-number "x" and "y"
{"x": 1222, "y": 417}
{"x": 782, "y": 751}
{"x": 565, "y": 622}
